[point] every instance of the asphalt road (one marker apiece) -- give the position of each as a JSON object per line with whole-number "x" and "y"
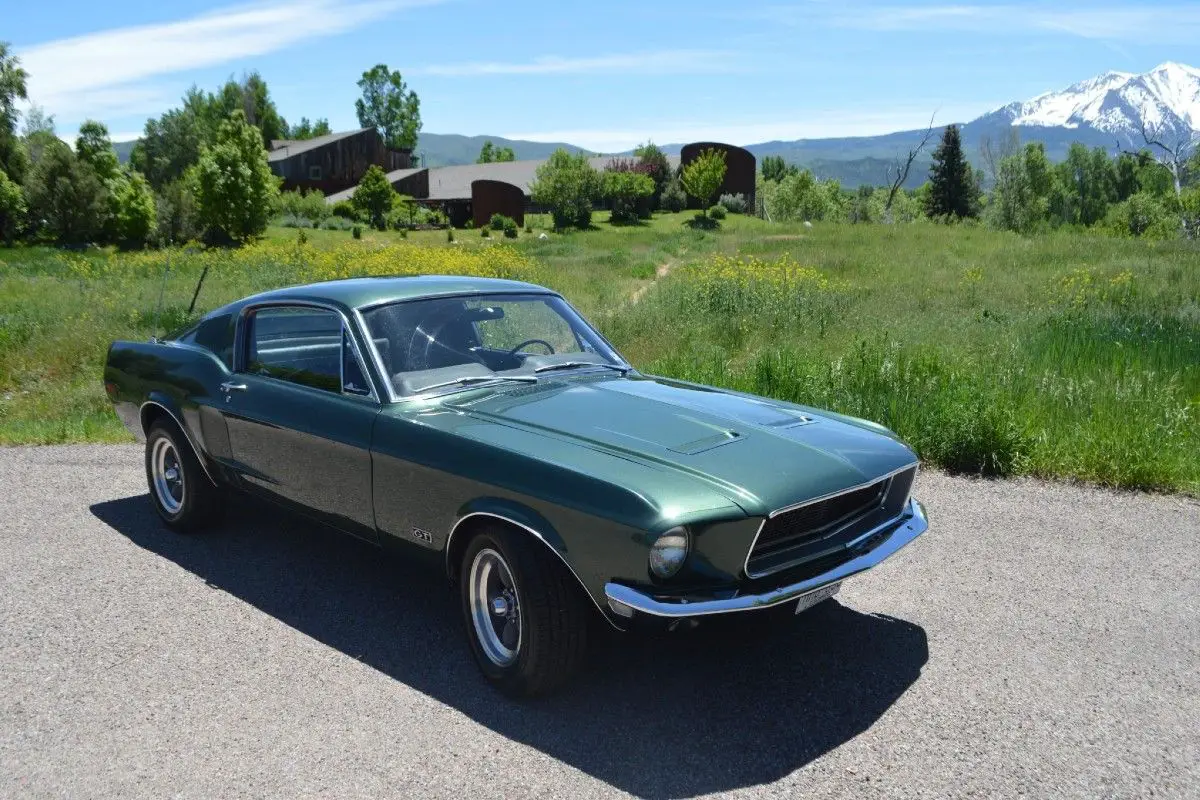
{"x": 1041, "y": 640}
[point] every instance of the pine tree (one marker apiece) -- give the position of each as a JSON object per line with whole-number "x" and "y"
{"x": 951, "y": 186}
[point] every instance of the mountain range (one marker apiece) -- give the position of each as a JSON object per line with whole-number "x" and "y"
{"x": 1108, "y": 110}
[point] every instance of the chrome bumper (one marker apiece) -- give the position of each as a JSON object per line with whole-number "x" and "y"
{"x": 627, "y": 602}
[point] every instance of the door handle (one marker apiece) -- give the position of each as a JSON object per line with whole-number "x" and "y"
{"x": 230, "y": 386}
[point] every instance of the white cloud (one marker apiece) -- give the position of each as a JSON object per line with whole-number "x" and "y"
{"x": 815, "y": 125}
{"x": 110, "y": 70}
{"x": 1142, "y": 23}
{"x": 662, "y": 61}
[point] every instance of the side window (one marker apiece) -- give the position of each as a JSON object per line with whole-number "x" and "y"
{"x": 297, "y": 344}
{"x": 216, "y": 335}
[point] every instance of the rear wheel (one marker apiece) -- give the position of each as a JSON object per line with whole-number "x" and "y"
{"x": 525, "y": 615}
{"x": 181, "y": 492}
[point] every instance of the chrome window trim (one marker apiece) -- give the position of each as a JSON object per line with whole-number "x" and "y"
{"x": 537, "y": 536}
{"x": 376, "y": 359}
{"x": 241, "y": 342}
{"x": 916, "y": 465}
{"x": 394, "y": 397}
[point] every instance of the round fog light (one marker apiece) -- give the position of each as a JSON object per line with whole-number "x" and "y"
{"x": 668, "y": 553}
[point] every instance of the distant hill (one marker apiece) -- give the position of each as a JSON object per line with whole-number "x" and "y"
{"x": 124, "y": 149}
{"x": 1105, "y": 111}
{"x": 446, "y": 149}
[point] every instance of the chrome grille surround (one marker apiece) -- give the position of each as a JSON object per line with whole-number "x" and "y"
{"x": 884, "y": 497}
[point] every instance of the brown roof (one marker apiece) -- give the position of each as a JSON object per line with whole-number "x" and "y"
{"x": 454, "y": 182}
{"x": 286, "y": 148}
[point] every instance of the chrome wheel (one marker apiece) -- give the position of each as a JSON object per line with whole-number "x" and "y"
{"x": 495, "y": 610}
{"x": 167, "y": 475}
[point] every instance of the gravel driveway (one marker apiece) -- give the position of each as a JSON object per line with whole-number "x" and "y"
{"x": 1040, "y": 640}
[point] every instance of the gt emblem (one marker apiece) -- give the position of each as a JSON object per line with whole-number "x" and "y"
{"x": 424, "y": 536}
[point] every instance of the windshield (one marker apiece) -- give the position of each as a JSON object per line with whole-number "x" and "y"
{"x": 465, "y": 341}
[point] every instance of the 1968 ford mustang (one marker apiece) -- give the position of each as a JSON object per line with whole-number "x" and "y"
{"x": 485, "y": 425}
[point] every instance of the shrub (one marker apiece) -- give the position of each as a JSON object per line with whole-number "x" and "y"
{"x": 449, "y": 234}
{"x": 567, "y": 185}
{"x": 337, "y": 224}
{"x": 293, "y": 221}
{"x": 345, "y": 209}
{"x": 529, "y": 227}
{"x": 500, "y": 222}
{"x": 301, "y": 237}
{"x": 673, "y": 198}
{"x": 374, "y": 197}
{"x": 485, "y": 232}
{"x": 1142, "y": 215}
{"x": 310, "y": 205}
{"x": 733, "y": 203}
{"x": 629, "y": 192}
{"x": 717, "y": 212}
{"x": 356, "y": 231}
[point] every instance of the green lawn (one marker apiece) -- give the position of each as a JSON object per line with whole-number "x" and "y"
{"x": 1065, "y": 355}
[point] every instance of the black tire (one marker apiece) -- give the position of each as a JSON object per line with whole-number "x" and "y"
{"x": 195, "y": 502}
{"x": 553, "y": 612}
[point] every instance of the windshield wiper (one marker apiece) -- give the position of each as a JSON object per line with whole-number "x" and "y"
{"x": 574, "y": 364}
{"x": 469, "y": 380}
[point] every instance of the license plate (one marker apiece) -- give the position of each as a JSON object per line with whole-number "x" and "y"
{"x": 812, "y": 598}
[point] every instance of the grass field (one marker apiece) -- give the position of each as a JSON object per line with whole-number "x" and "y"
{"x": 1066, "y": 355}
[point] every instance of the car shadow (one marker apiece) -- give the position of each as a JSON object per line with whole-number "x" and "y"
{"x": 662, "y": 717}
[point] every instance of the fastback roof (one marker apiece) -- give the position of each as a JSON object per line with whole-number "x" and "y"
{"x": 359, "y": 292}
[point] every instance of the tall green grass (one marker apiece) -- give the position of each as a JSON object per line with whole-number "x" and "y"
{"x": 1067, "y": 355}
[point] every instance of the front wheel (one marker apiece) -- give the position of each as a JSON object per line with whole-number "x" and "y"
{"x": 525, "y": 615}
{"x": 183, "y": 496}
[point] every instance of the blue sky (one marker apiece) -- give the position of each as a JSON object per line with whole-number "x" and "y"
{"x": 601, "y": 75}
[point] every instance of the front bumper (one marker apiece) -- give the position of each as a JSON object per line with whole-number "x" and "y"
{"x": 628, "y": 602}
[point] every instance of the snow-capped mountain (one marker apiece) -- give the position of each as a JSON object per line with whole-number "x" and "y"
{"x": 1166, "y": 99}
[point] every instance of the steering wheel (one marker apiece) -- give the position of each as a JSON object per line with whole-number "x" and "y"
{"x": 528, "y": 342}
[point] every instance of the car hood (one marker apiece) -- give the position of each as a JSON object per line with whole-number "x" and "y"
{"x": 760, "y": 454}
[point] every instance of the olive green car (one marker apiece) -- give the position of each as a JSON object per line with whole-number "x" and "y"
{"x": 484, "y": 425}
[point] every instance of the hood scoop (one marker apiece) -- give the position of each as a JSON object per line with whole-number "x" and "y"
{"x": 689, "y": 447}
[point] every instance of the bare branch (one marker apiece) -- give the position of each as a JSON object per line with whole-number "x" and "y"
{"x": 902, "y": 169}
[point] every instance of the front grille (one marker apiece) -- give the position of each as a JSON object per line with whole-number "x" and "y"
{"x": 824, "y": 528}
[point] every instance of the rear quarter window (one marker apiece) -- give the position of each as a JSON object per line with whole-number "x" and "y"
{"x": 214, "y": 334}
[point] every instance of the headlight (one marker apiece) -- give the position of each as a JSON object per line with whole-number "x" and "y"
{"x": 668, "y": 553}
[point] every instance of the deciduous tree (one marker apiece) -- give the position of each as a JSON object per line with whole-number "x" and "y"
{"x": 388, "y": 106}
{"x": 66, "y": 199}
{"x": 94, "y": 148}
{"x": 13, "y": 160}
{"x": 375, "y": 197}
{"x": 12, "y": 209}
{"x": 655, "y": 164}
{"x": 235, "y": 189}
{"x": 703, "y": 176}
{"x": 567, "y": 185}
{"x": 304, "y": 129}
{"x": 774, "y": 168}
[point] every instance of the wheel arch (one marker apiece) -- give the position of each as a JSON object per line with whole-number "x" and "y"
{"x": 155, "y": 409}
{"x": 476, "y": 516}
